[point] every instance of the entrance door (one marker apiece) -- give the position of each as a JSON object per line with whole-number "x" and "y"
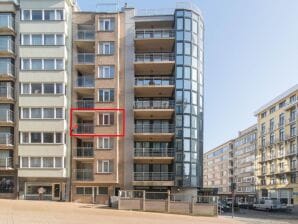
{"x": 56, "y": 196}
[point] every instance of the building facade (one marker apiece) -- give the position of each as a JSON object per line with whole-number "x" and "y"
{"x": 244, "y": 161}
{"x": 277, "y": 148}
{"x": 44, "y": 79}
{"x": 8, "y": 154}
{"x": 219, "y": 169}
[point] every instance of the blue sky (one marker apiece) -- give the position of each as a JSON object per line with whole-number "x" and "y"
{"x": 251, "y": 56}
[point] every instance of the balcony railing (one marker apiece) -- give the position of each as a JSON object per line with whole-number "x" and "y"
{"x": 6, "y": 92}
{"x": 292, "y": 152}
{"x": 154, "y": 104}
{"x": 7, "y": 45}
{"x": 85, "y": 35}
{"x": 6, "y": 21}
{"x": 83, "y": 174}
{"x": 6, "y": 115}
{"x": 153, "y": 176}
{"x": 153, "y": 152}
{"x": 292, "y": 119}
{"x": 6, "y": 68}
{"x": 6, "y": 139}
{"x": 85, "y": 82}
{"x": 84, "y": 128}
{"x": 85, "y": 58}
{"x": 154, "y": 57}
{"x": 6, "y": 163}
{"x": 152, "y": 81}
{"x": 151, "y": 128}
{"x": 85, "y": 103}
{"x": 155, "y": 33}
{"x": 84, "y": 152}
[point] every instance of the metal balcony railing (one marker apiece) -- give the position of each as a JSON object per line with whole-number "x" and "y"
{"x": 154, "y": 81}
{"x": 292, "y": 152}
{"x": 292, "y": 119}
{"x": 6, "y": 115}
{"x": 6, "y": 92}
{"x": 86, "y": 82}
{"x": 153, "y": 152}
{"x": 6, "y": 163}
{"x": 85, "y": 58}
{"x": 6, "y": 139}
{"x": 83, "y": 174}
{"x": 7, "y": 45}
{"x": 84, "y": 152}
{"x": 84, "y": 103}
{"x": 84, "y": 128}
{"x": 154, "y": 104}
{"x": 85, "y": 35}
{"x": 6, "y": 68}
{"x": 152, "y": 128}
{"x": 6, "y": 21}
{"x": 154, "y": 33}
{"x": 153, "y": 176}
{"x": 154, "y": 57}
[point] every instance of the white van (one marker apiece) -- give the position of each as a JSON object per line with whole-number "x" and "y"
{"x": 268, "y": 204}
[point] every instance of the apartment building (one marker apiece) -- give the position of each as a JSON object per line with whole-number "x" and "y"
{"x": 7, "y": 99}
{"x": 244, "y": 157}
{"x": 151, "y": 66}
{"x": 219, "y": 169}
{"x": 44, "y": 89}
{"x": 277, "y": 148}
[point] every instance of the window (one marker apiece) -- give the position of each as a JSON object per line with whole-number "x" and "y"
{"x": 282, "y": 119}
{"x": 84, "y": 190}
{"x": 107, "y": 24}
{"x": 293, "y": 99}
{"x": 187, "y": 24}
{"x": 179, "y": 23}
{"x": 58, "y": 162}
{"x": 42, "y": 64}
{"x": 106, "y": 48}
{"x": 263, "y": 114}
{"x": 105, "y": 143}
{"x": 48, "y": 162}
{"x": 41, "y": 162}
{"x": 272, "y": 110}
{"x": 102, "y": 190}
{"x": 42, "y": 39}
{"x": 25, "y": 162}
{"x": 272, "y": 124}
{"x": 41, "y": 113}
{"x": 293, "y": 130}
{"x": 106, "y": 95}
{"x": 41, "y": 137}
{"x": 59, "y": 113}
{"x": 46, "y": 15}
{"x": 42, "y": 88}
{"x": 106, "y": 71}
{"x": 282, "y": 104}
{"x": 104, "y": 166}
{"x": 106, "y": 118}
{"x": 36, "y": 113}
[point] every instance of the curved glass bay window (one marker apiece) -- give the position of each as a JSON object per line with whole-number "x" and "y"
{"x": 189, "y": 99}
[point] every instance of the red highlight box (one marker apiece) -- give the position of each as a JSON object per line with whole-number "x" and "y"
{"x": 72, "y": 126}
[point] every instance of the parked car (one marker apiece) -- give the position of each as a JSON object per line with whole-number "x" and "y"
{"x": 268, "y": 204}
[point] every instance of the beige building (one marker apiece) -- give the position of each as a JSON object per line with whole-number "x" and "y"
{"x": 277, "y": 148}
{"x": 45, "y": 72}
{"x": 218, "y": 169}
{"x": 8, "y": 155}
{"x": 244, "y": 160}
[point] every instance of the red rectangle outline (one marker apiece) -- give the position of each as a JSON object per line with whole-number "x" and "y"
{"x": 98, "y": 109}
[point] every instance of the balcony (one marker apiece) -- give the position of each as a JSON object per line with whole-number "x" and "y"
{"x": 292, "y": 120}
{"x": 290, "y": 105}
{"x": 6, "y": 163}
{"x": 7, "y": 23}
{"x": 6, "y": 71}
{"x": 85, "y": 62}
{"x": 84, "y": 153}
{"x": 6, "y": 117}
{"x": 83, "y": 174}
{"x": 154, "y": 40}
{"x": 6, "y": 93}
{"x": 84, "y": 85}
{"x": 153, "y": 179}
{"x": 152, "y": 132}
{"x": 6, "y": 139}
{"x": 156, "y": 63}
{"x": 6, "y": 47}
{"x": 154, "y": 155}
{"x": 292, "y": 152}
{"x": 154, "y": 87}
{"x": 154, "y": 109}
{"x": 84, "y": 129}
{"x": 85, "y": 39}
{"x": 84, "y": 104}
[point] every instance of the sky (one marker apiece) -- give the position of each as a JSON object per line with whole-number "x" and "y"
{"x": 251, "y": 56}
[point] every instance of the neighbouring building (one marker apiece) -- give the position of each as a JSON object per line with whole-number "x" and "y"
{"x": 219, "y": 169}
{"x": 44, "y": 80}
{"x": 277, "y": 148}
{"x": 8, "y": 131}
{"x": 244, "y": 160}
